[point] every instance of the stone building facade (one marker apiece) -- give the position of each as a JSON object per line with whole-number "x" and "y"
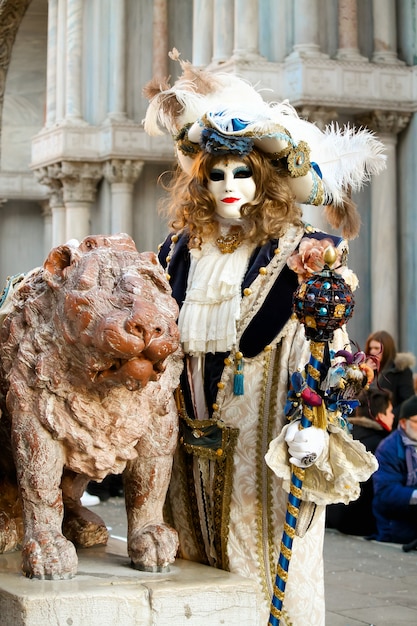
{"x": 74, "y": 158}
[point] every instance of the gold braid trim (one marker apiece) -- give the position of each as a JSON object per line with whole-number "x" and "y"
{"x": 292, "y": 510}
{"x": 283, "y": 574}
{"x": 222, "y": 490}
{"x": 199, "y": 428}
{"x": 275, "y": 612}
{"x": 299, "y": 472}
{"x": 289, "y": 530}
{"x": 222, "y": 482}
{"x": 272, "y": 417}
{"x": 317, "y": 350}
{"x": 296, "y": 491}
{"x": 185, "y": 470}
{"x": 314, "y": 373}
{"x": 261, "y": 477}
{"x": 286, "y": 551}
{"x": 308, "y": 412}
{"x": 280, "y": 614}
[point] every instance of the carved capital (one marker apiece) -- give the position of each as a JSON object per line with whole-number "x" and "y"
{"x": 50, "y": 177}
{"x": 79, "y": 180}
{"x": 385, "y": 122}
{"x": 122, "y": 170}
{"x": 70, "y": 181}
{"x": 321, "y": 116}
{"x": 46, "y": 209}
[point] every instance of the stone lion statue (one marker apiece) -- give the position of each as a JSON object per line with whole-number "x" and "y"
{"x": 89, "y": 361}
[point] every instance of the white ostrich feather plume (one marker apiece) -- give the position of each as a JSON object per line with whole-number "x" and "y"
{"x": 348, "y": 158}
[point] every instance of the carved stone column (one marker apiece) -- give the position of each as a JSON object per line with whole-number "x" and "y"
{"x": 320, "y": 116}
{"x": 51, "y": 62}
{"x": 117, "y": 106}
{"x": 50, "y": 176}
{"x": 160, "y": 39}
{"x": 79, "y": 182}
{"x": 385, "y": 32}
{"x": 202, "y": 46}
{"x": 348, "y": 32}
{"x": 47, "y": 226}
{"x": 122, "y": 175}
{"x": 73, "y": 109}
{"x": 61, "y": 62}
{"x": 306, "y": 29}
{"x": 223, "y": 30}
{"x": 384, "y": 226}
{"x": 246, "y": 46}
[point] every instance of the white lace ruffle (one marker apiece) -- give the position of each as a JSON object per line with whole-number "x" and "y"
{"x": 207, "y": 320}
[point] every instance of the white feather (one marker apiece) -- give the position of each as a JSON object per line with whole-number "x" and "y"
{"x": 156, "y": 120}
{"x": 348, "y": 158}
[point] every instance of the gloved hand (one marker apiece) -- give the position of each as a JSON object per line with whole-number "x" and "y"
{"x": 305, "y": 445}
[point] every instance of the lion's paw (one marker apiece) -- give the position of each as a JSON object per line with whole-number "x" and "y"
{"x": 153, "y": 547}
{"x": 84, "y": 528}
{"x": 48, "y": 555}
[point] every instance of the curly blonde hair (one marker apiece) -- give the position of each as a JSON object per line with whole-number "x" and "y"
{"x": 191, "y": 206}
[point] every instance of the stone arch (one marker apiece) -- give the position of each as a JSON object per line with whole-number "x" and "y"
{"x": 11, "y": 15}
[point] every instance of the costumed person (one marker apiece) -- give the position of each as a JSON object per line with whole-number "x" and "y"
{"x": 394, "y": 368}
{"x": 233, "y": 204}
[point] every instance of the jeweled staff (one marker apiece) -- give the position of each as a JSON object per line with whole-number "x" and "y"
{"x": 322, "y": 303}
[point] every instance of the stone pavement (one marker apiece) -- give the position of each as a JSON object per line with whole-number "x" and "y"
{"x": 367, "y": 583}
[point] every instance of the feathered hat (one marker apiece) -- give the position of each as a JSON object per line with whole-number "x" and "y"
{"x": 224, "y": 114}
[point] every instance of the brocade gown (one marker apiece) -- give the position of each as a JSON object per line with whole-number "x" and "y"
{"x": 226, "y": 503}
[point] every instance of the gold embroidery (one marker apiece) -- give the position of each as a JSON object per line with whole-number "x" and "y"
{"x": 222, "y": 480}
{"x": 317, "y": 350}
{"x": 263, "y": 499}
{"x": 184, "y": 469}
{"x": 229, "y": 243}
{"x": 222, "y": 488}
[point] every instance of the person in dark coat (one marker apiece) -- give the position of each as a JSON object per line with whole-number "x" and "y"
{"x": 370, "y": 425}
{"x": 394, "y": 368}
{"x": 395, "y": 481}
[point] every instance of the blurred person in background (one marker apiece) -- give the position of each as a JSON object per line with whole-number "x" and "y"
{"x": 394, "y": 369}
{"x": 371, "y": 423}
{"x": 395, "y": 481}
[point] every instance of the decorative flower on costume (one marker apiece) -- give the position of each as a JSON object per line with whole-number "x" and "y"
{"x": 309, "y": 258}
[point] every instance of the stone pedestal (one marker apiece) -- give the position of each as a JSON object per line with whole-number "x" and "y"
{"x": 108, "y": 592}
